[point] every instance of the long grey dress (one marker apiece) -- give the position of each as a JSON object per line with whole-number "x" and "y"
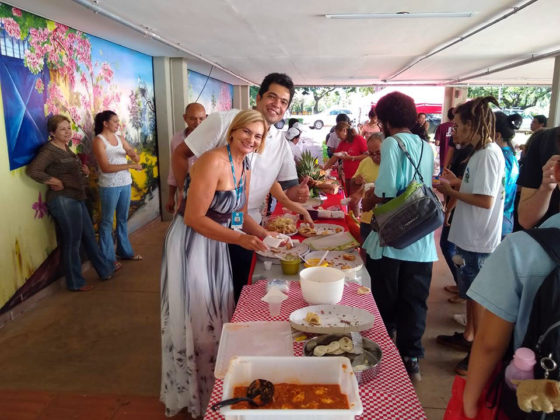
{"x": 196, "y": 300}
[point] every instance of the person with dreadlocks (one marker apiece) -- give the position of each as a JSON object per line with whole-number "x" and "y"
{"x": 476, "y": 229}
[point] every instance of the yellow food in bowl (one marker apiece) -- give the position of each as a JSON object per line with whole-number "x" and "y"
{"x": 313, "y": 262}
{"x": 290, "y": 265}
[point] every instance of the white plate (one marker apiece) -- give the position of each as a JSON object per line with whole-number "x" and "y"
{"x": 334, "y": 319}
{"x": 337, "y": 242}
{"x": 260, "y": 338}
{"x": 294, "y": 218}
{"x": 336, "y": 260}
{"x": 299, "y": 248}
{"x": 323, "y": 229}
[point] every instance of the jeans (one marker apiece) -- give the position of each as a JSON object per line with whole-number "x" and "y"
{"x": 114, "y": 199}
{"x": 448, "y": 249}
{"x": 467, "y": 272}
{"x": 76, "y": 228}
{"x": 400, "y": 289}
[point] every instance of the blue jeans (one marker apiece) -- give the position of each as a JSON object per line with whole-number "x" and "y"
{"x": 448, "y": 249}
{"x": 114, "y": 199}
{"x": 467, "y": 272}
{"x": 76, "y": 228}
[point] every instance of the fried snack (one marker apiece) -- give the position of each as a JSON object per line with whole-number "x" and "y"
{"x": 320, "y": 351}
{"x": 312, "y": 318}
{"x": 363, "y": 290}
{"x": 333, "y": 347}
{"x": 538, "y": 395}
{"x": 307, "y": 230}
{"x": 285, "y": 225}
{"x": 346, "y": 344}
{"x": 349, "y": 257}
{"x": 346, "y": 267}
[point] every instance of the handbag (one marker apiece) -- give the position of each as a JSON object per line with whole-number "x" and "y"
{"x": 412, "y": 214}
{"x": 454, "y": 410}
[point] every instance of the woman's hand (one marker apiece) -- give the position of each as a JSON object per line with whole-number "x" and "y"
{"x": 135, "y": 166}
{"x": 451, "y": 177}
{"x": 469, "y": 410}
{"x": 85, "y": 170}
{"x": 251, "y": 243}
{"x": 549, "y": 180}
{"x": 55, "y": 184}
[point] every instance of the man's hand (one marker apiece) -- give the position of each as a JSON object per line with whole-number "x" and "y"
{"x": 444, "y": 188}
{"x": 170, "y": 205}
{"x": 300, "y": 192}
{"x": 549, "y": 180}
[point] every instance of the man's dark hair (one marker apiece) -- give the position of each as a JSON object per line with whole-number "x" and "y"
{"x": 342, "y": 118}
{"x": 422, "y": 113}
{"x": 280, "y": 79}
{"x": 541, "y": 119}
{"x": 397, "y": 109}
{"x": 450, "y": 113}
{"x": 292, "y": 121}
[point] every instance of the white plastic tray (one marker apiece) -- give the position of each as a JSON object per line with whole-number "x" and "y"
{"x": 259, "y": 338}
{"x": 303, "y": 370}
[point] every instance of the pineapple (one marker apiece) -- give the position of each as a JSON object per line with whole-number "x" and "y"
{"x": 309, "y": 166}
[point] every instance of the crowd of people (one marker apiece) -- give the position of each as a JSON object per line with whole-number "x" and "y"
{"x": 224, "y": 167}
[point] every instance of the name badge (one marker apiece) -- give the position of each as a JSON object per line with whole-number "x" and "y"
{"x": 237, "y": 220}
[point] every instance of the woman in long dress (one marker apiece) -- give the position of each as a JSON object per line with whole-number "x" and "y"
{"x": 196, "y": 281}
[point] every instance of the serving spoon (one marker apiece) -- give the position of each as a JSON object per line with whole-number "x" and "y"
{"x": 259, "y": 393}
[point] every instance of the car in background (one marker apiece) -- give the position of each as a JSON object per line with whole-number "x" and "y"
{"x": 326, "y": 117}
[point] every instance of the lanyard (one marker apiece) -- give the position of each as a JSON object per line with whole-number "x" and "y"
{"x": 238, "y": 189}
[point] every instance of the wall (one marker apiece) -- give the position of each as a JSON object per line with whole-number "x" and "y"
{"x": 214, "y": 94}
{"x": 48, "y": 68}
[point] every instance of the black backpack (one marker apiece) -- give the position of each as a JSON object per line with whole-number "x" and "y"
{"x": 543, "y": 330}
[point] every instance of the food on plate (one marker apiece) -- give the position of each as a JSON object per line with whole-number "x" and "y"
{"x": 346, "y": 267}
{"x": 335, "y": 347}
{"x": 298, "y": 397}
{"x": 282, "y": 224}
{"x": 320, "y": 351}
{"x": 349, "y": 257}
{"x": 363, "y": 290}
{"x": 306, "y": 230}
{"x": 312, "y": 318}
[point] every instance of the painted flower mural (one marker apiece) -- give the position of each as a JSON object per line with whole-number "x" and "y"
{"x": 49, "y": 68}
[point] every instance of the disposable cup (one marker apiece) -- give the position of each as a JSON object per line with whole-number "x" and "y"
{"x": 267, "y": 265}
{"x": 274, "y": 305}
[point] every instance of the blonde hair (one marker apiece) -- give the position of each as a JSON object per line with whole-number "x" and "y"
{"x": 242, "y": 120}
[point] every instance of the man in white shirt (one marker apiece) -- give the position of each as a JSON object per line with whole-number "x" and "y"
{"x": 274, "y": 164}
{"x": 193, "y": 116}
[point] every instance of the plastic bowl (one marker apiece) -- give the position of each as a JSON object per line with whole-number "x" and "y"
{"x": 313, "y": 262}
{"x": 321, "y": 285}
{"x": 290, "y": 266}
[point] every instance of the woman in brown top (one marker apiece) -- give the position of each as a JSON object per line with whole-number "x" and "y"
{"x": 58, "y": 167}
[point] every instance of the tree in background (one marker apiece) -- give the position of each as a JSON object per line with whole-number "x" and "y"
{"x": 318, "y": 93}
{"x": 518, "y": 97}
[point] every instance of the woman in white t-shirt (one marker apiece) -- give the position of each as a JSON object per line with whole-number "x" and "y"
{"x": 476, "y": 228}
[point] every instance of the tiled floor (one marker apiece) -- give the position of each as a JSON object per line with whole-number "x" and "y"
{"x": 96, "y": 355}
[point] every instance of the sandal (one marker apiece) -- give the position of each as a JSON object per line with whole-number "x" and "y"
{"x": 117, "y": 266}
{"x": 137, "y": 257}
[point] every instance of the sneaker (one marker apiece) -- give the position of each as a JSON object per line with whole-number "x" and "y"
{"x": 456, "y": 341}
{"x": 460, "y": 319}
{"x": 412, "y": 368}
{"x": 462, "y": 367}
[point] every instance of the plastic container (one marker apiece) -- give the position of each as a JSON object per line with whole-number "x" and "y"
{"x": 521, "y": 367}
{"x": 303, "y": 370}
{"x": 313, "y": 262}
{"x": 290, "y": 266}
{"x": 257, "y": 338}
{"x": 321, "y": 285}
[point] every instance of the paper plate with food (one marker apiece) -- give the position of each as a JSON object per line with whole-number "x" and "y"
{"x": 285, "y": 224}
{"x": 331, "y": 319}
{"x": 345, "y": 261}
{"x": 320, "y": 229}
{"x": 285, "y": 250}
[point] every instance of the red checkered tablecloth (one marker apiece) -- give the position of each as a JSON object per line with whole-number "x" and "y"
{"x": 389, "y": 396}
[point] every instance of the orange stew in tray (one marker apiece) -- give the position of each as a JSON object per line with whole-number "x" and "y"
{"x": 299, "y": 396}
